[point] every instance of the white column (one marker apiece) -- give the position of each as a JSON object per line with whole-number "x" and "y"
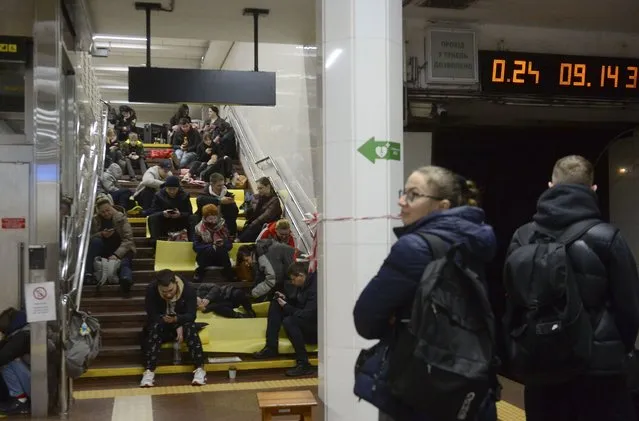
{"x": 361, "y": 87}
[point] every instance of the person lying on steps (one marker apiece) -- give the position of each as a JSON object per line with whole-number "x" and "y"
{"x": 223, "y": 300}
{"x": 298, "y": 315}
{"x": 171, "y": 307}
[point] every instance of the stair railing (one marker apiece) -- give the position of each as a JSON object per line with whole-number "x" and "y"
{"x": 293, "y": 207}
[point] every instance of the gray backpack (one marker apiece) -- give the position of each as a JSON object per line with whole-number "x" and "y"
{"x": 83, "y": 344}
{"x": 106, "y": 270}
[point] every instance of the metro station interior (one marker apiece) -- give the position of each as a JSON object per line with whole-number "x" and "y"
{"x": 308, "y": 117}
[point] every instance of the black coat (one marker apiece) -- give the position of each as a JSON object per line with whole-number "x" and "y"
{"x": 185, "y": 307}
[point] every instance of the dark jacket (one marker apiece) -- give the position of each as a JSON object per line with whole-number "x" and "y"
{"x": 203, "y": 156}
{"x": 185, "y": 307}
{"x": 192, "y": 136}
{"x": 17, "y": 337}
{"x": 215, "y": 293}
{"x": 129, "y": 147}
{"x": 391, "y": 292}
{"x": 267, "y": 209}
{"x": 162, "y": 201}
{"x": 206, "y": 198}
{"x": 605, "y": 270}
{"x": 302, "y": 304}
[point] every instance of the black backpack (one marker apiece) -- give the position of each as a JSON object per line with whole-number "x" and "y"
{"x": 443, "y": 363}
{"x": 549, "y": 331}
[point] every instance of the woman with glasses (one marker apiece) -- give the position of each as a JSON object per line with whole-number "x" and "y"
{"x": 435, "y": 201}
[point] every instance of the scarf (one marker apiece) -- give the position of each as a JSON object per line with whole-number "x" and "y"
{"x": 170, "y": 304}
{"x": 222, "y": 193}
{"x": 212, "y": 232}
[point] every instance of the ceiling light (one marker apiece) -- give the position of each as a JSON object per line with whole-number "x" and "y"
{"x": 111, "y": 69}
{"x": 117, "y": 38}
{"x": 111, "y": 45}
{"x": 623, "y": 170}
{"x": 115, "y": 87}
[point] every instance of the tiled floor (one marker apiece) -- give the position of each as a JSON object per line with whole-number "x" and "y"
{"x": 215, "y": 402}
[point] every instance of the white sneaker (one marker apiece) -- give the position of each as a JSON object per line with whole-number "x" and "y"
{"x": 199, "y": 377}
{"x": 148, "y": 379}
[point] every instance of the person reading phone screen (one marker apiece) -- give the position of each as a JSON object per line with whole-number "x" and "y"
{"x": 170, "y": 210}
{"x": 212, "y": 243}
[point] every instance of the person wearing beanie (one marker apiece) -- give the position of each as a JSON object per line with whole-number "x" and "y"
{"x": 212, "y": 243}
{"x": 170, "y": 210}
{"x": 151, "y": 183}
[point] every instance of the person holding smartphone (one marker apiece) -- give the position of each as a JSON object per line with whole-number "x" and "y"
{"x": 212, "y": 243}
{"x": 170, "y": 211}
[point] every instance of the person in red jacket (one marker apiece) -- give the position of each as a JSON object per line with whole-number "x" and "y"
{"x": 279, "y": 231}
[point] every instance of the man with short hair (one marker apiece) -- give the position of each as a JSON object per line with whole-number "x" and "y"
{"x": 170, "y": 211}
{"x": 216, "y": 193}
{"x": 605, "y": 272}
{"x": 297, "y": 313}
{"x": 185, "y": 142}
{"x": 171, "y": 307}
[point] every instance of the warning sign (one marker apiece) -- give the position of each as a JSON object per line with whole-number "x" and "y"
{"x": 14, "y": 223}
{"x": 40, "y": 301}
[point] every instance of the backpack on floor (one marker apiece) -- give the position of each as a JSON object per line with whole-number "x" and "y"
{"x": 83, "y": 344}
{"x": 549, "y": 331}
{"x": 443, "y": 363}
{"x": 106, "y": 270}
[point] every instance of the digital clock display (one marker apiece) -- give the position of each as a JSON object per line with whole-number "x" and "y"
{"x": 559, "y": 75}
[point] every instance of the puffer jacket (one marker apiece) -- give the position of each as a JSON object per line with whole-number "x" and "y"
{"x": 109, "y": 179}
{"x": 122, "y": 227}
{"x": 273, "y": 260}
{"x": 605, "y": 270}
{"x": 391, "y": 292}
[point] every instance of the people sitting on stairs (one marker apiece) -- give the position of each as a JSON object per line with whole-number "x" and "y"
{"x": 266, "y": 208}
{"x": 151, "y": 182}
{"x": 244, "y": 263}
{"x": 273, "y": 259}
{"x": 183, "y": 112}
{"x": 124, "y": 123}
{"x": 111, "y": 238}
{"x": 185, "y": 142}
{"x": 171, "y": 307}
{"x": 170, "y": 211}
{"x": 110, "y": 185}
{"x": 210, "y": 159}
{"x": 223, "y": 300}
{"x": 15, "y": 347}
{"x": 113, "y": 152}
{"x": 133, "y": 152}
{"x": 216, "y": 193}
{"x": 279, "y": 231}
{"x": 297, "y": 313}
{"x": 212, "y": 244}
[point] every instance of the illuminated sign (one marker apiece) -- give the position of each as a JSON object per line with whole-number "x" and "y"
{"x": 14, "y": 49}
{"x": 559, "y": 75}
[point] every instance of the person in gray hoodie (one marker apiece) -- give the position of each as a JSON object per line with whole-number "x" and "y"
{"x": 273, "y": 259}
{"x": 151, "y": 183}
{"x": 109, "y": 185}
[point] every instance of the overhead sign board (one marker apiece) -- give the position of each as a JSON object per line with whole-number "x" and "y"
{"x": 451, "y": 56}
{"x": 14, "y": 49}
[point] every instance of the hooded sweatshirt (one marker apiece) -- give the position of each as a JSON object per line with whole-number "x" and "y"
{"x": 109, "y": 179}
{"x": 183, "y": 304}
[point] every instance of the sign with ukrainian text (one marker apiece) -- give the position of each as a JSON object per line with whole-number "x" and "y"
{"x": 452, "y": 56}
{"x": 14, "y": 49}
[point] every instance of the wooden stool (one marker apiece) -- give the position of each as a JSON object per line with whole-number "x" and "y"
{"x": 297, "y": 402}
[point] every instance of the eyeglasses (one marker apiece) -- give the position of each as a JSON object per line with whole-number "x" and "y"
{"x": 411, "y": 195}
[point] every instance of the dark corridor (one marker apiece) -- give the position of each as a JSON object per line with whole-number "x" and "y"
{"x": 512, "y": 167}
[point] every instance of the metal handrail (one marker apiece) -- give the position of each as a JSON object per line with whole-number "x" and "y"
{"x": 245, "y": 146}
{"x": 97, "y": 168}
{"x": 66, "y": 384}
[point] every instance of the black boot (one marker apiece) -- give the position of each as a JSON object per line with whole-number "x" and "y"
{"x": 265, "y": 353}
{"x": 303, "y": 368}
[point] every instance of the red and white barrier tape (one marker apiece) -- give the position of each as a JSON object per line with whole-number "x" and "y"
{"x": 313, "y": 220}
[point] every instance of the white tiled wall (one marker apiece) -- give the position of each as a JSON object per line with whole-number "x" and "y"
{"x": 624, "y": 189}
{"x": 284, "y": 131}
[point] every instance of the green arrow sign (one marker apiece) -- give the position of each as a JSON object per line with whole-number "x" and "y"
{"x": 380, "y": 149}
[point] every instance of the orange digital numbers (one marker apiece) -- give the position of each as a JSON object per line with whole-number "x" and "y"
{"x": 521, "y": 69}
{"x": 609, "y": 73}
{"x": 579, "y": 73}
{"x": 632, "y": 77}
{"x": 572, "y": 74}
{"x": 499, "y": 70}
{"x": 565, "y": 74}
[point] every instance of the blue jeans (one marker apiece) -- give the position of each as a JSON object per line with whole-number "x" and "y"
{"x": 17, "y": 377}
{"x": 185, "y": 158}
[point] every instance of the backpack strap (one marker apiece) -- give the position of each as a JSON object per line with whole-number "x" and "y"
{"x": 438, "y": 246}
{"x": 577, "y": 230}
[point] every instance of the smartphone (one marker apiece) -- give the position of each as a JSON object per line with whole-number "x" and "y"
{"x": 109, "y": 229}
